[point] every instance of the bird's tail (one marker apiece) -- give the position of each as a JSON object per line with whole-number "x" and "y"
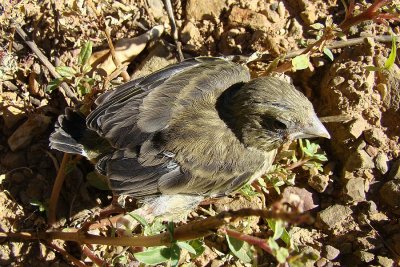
{"x": 70, "y": 130}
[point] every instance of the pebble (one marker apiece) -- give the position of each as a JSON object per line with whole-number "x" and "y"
{"x": 358, "y": 127}
{"x": 365, "y": 256}
{"x": 355, "y": 189}
{"x": 375, "y": 137}
{"x": 248, "y": 18}
{"x": 330, "y": 252}
{"x": 334, "y": 215}
{"x": 33, "y": 127}
{"x": 359, "y": 160}
{"x": 319, "y": 182}
{"x": 390, "y": 193}
{"x": 200, "y": 10}
{"x": 381, "y": 163}
{"x": 385, "y": 261}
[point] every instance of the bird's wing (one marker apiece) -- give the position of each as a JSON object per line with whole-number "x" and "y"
{"x": 189, "y": 149}
{"x": 117, "y": 112}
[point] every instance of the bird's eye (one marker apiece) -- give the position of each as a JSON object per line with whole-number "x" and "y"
{"x": 273, "y": 123}
{"x": 279, "y": 125}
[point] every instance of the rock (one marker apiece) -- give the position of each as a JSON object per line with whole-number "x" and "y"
{"x": 330, "y": 252}
{"x": 12, "y": 115}
{"x": 160, "y": 56}
{"x": 333, "y": 216}
{"x": 385, "y": 261}
{"x": 365, "y": 256}
{"x": 308, "y": 16}
{"x": 359, "y": 160}
{"x": 381, "y": 163}
{"x": 191, "y": 35}
{"x": 321, "y": 262}
{"x": 358, "y": 127}
{"x": 355, "y": 189}
{"x": 319, "y": 182}
{"x": 390, "y": 193}
{"x": 156, "y": 8}
{"x": 33, "y": 127}
{"x": 306, "y": 237}
{"x": 312, "y": 255}
{"x": 299, "y": 197}
{"x": 199, "y": 10}
{"x": 375, "y": 137}
{"x": 395, "y": 170}
{"x": 247, "y": 18}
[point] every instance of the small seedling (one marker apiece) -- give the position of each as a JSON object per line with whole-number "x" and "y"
{"x": 77, "y": 76}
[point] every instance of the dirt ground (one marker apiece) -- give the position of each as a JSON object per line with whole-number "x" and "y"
{"x": 356, "y": 197}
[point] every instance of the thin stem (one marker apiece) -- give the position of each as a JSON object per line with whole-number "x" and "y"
{"x": 256, "y": 241}
{"x": 55, "y": 193}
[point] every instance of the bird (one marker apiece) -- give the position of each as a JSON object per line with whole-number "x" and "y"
{"x": 198, "y": 129}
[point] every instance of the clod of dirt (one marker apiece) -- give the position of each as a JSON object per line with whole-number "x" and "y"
{"x": 375, "y": 137}
{"x": 390, "y": 193}
{"x": 364, "y": 256}
{"x": 299, "y": 197}
{"x": 12, "y": 115}
{"x": 385, "y": 261}
{"x": 330, "y": 252}
{"x": 359, "y": 160}
{"x": 334, "y": 217}
{"x": 395, "y": 170}
{"x": 191, "y": 36}
{"x": 247, "y": 18}
{"x": 355, "y": 189}
{"x": 381, "y": 163}
{"x": 319, "y": 182}
{"x": 199, "y": 10}
{"x": 160, "y": 56}
{"x": 156, "y": 7}
{"x": 32, "y": 128}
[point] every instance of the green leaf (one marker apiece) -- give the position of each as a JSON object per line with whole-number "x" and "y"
{"x": 281, "y": 254}
{"x": 97, "y": 181}
{"x": 300, "y": 62}
{"x": 198, "y": 246}
{"x": 65, "y": 71}
{"x": 277, "y": 227}
{"x": 328, "y": 53}
{"x": 317, "y": 26}
{"x": 155, "y": 228}
{"x": 53, "y": 84}
{"x": 154, "y": 255}
{"x": 85, "y": 53}
{"x": 286, "y": 237}
{"x": 139, "y": 219}
{"x": 186, "y": 246}
{"x": 392, "y": 56}
{"x": 240, "y": 249}
{"x": 175, "y": 253}
{"x": 42, "y": 207}
{"x": 248, "y": 191}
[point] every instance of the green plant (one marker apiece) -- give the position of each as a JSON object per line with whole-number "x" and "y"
{"x": 77, "y": 76}
{"x": 161, "y": 254}
{"x": 389, "y": 61}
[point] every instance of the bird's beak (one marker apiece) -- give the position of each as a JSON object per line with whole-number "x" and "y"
{"x": 317, "y": 129}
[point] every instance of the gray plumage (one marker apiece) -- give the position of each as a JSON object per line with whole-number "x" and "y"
{"x": 199, "y": 128}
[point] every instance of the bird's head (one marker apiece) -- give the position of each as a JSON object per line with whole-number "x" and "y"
{"x": 268, "y": 112}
